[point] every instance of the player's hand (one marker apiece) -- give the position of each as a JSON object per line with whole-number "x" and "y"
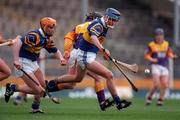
{"x": 12, "y": 41}
{"x": 17, "y": 64}
{"x": 106, "y": 54}
{"x": 63, "y": 62}
{"x": 66, "y": 55}
{"x": 175, "y": 56}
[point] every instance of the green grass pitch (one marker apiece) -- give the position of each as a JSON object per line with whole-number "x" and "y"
{"x": 88, "y": 109}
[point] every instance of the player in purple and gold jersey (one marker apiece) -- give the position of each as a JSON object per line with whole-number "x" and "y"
{"x": 158, "y": 52}
{"x": 26, "y": 52}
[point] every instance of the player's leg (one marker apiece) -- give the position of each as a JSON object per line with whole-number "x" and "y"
{"x": 5, "y": 71}
{"x": 30, "y": 87}
{"x": 53, "y": 85}
{"x": 164, "y": 85}
{"x": 35, "y": 107}
{"x": 99, "y": 88}
{"x": 80, "y": 73}
{"x": 99, "y": 69}
{"x": 156, "y": 83}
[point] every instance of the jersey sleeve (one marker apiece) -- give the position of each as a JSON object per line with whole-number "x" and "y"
{"x": 148, "y": 53}
{"x": 50, "y": 46}
{"x": 96, "y": 29}
{"x": 68, "y": 40}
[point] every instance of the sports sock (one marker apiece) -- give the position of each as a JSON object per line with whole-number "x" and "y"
{"x": 99, "y": 87}
{"x": 52, "y": 86}
{"x": 13, "y": 87}
{"x": 35, "y": 105}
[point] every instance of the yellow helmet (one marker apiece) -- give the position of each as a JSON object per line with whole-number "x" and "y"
{"x": 47, "y": 21}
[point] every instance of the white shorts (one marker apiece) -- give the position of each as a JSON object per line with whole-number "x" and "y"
{"x": 27, "y": 65}
{"x": 159, "y": 70}
{"x": 85, "y": 58}
{"x": 73, "y": 56}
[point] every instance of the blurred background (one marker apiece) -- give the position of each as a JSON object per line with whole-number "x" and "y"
{"x": 127, "y": 41}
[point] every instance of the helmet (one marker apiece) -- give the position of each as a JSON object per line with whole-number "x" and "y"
{"x": 47, "y": 21}
{"x": 93, "y": 15}
{"x": 113, "y": 14}
{"x": 159, "y": 31}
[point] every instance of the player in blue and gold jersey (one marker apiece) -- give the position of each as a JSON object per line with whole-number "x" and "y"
{"x": 72, "y": 40}
{"x": 26, "y": 52}
{"x": 90, "y": 43}
{"x": 158, "y": 52}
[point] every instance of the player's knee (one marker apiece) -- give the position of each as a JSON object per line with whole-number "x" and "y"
{"x": 38, "y": 91}
{"x": 109, "y": 75}
{"x": 165, "y": 85}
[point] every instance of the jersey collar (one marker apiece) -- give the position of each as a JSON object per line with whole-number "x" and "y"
{"x": 103, "y": 22}
{"x": 42, "y": 33}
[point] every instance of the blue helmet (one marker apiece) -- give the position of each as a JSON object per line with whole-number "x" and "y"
{"x": 113, "y": 13}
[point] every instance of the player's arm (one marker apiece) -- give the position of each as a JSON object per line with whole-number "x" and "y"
{"x": 2, "y": 39}
{"x": 10, "y": 41}
{"x": 94, "y": 32}
{"x": 170, "y": 53}
{"x": 148, "y": 55}
{"x": 96, "y": 42}
{"x": 68, "y": 42}
{"x": 51, "y": 48}
{"x": 16, "y": 48}
{"x": 59, "y": 56}
{"x": 104, "y": 51}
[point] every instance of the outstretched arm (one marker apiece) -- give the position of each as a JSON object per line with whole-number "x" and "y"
{"x": 59, "y": 56}
{"x": 16, "y": 48}
{"x": 104, "y": 51}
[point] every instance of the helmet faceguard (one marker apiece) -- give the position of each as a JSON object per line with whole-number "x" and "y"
{"x": 111, "y": 17}
{"x": 48, "y": 25}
